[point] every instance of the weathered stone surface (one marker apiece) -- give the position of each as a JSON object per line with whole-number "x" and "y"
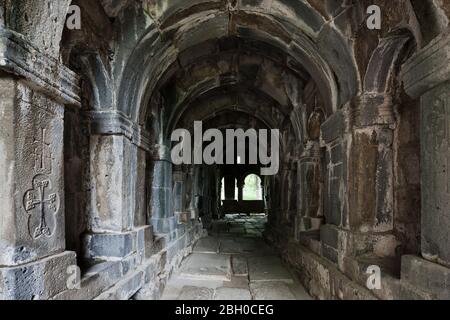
{"x": 271, "y": 291}
{"x": 195, "y": 293}
{"x": 207, "y": 245}
{"x": 232, "y": 294}
{"x": 19, "y": 57}
{"x": 207, "y": 266}
{"x": 435, "y": 196}
{"x": 428, "y": 277}
{"x": 39, "y": 280}
{"x": 31, "y": 166}
{"x": 111, "y": 245}
{"x": 268, "y": 269}
{"x": 110, "y": 199}
{"x": 239, "y": 266}
{"x": 85, "y": 156}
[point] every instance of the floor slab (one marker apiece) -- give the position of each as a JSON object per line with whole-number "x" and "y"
{"x": 271, "y": 291}
{"x": 268, "y": 268}
{"x": 236, "y": 265}
{"x": 207, "y": 267}
{"x": 227, "y": 294}
{"x": 207, "y": 245}
{"x": 196, "y": 293}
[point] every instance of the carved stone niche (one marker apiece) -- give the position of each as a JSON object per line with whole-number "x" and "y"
{"x": 427, "y": 75}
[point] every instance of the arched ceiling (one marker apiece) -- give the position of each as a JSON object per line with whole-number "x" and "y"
{"x": 198, "y": 46}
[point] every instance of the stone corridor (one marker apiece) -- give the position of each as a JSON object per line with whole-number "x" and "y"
{"x": 234, "y": 263}
{"x": 99, "y": 201}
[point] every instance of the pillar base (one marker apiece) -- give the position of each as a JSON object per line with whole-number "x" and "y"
{"x": 164, "y": 225}
{"x": 310, "y": 224}
{"x": 40, "y": 280}
{"x": 110, "y": 246}
{"x": 338, "y": 243}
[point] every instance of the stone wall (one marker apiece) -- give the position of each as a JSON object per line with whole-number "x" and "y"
{"x": 87, "y": 117}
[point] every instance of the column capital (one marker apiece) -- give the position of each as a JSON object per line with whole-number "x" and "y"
{"x": 43, "y": 73}
{"x": 371, "y": 109}
{"x": 428, "y": 68}
{"x": 113, "y": 122}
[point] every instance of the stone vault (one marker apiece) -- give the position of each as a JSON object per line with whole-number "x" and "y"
{"x": 86, "y": 118}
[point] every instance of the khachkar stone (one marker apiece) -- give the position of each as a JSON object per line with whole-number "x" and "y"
{"x": 34, "y": 90}
{"x": 427, "y": 75}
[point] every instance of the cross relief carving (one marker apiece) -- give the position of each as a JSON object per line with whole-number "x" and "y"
{"x": 41, "y": 203}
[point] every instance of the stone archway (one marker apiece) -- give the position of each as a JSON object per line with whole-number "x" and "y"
{"x": 88, "y": 116}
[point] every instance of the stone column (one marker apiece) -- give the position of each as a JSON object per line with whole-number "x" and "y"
{"x": 179, "y": 190}
{"x": 309, "y": 180}
{"x": 34, "y": 89}
{"x": 163, "y": 215}
{"x": 240, "y": 187}
{"x": 193, "y": 205}
{"x": 359, "y": 183}
{"x": 427, "y": 75}
{"x": 230, "y": 188}
{"x": 117, "y": 174}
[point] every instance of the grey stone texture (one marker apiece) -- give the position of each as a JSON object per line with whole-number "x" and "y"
{"x": 86, "y": 118}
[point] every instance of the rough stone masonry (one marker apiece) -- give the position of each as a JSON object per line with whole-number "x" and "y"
{"x": 89, "y": 191}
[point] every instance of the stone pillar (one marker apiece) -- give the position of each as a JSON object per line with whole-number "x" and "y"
{"x": 194, "y": 194}
{"x": 33, "y": 92}
{"x": 358, "y": 189}
{"x": 179, "y": 190}
{"x": 240, "y": 187}
{"x": 309, "y": 180}
{"x": 117, "y": 174}
{"x": 370, "y": 165}
{"x": 427, "y": 75}
{"x": 111, "y": 198}
{"x": 230, "y": 188}
{"x": 163, "y": 215}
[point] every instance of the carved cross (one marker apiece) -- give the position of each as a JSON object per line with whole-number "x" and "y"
{"x": 36, "y": 199}
{"x": 43, "y": 155}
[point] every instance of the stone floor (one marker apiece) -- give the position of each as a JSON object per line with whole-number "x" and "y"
{"x": 234, "y": 263}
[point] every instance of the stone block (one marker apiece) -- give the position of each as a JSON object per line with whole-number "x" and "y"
{"x": 207, "y": 267}
{"x": 224, "y": 294}
{"x": 333, "y": 128}
{"x": 371, "y": 177}
{"x": 268, "y": 268}
{"x": 189, "y": 293}
{"x": 125, "y": 289}
{"x": 330, "y": 253}
{"x": 239, "y": 266}
{"x": 207, "y": 245}
{"x": 111, "y": 184}
{"x": 145, "y": 242}
{"x": 94, "y": 281}
{"x": 31, "y": 166}
{"x": 435, "y": 170}
{"x": 164, "y": 225}
{"x": 110, "y": 245}
{"x": 426, "y": 276}
{"x": 279, "y": 291}
{"x": 329, "y": 235}
{"x": 40, "y": 280}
